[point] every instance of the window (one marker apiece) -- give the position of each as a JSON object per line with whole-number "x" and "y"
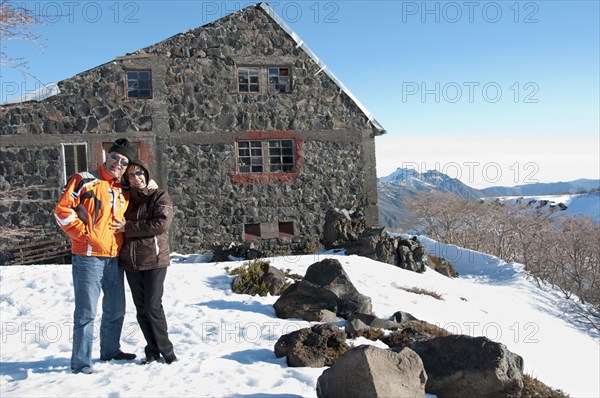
{"x": 248, "y": 78}
{"x": 139, "y": 84}
{"x": 265, "y": 157}
{"x": 75, "y": 157}
{"x": 269, "y": 230}
{"x": 251, "y": 231}
{"x": 279, "y": 80}
{"x": 250, "y": 157}
{"x": 286, "y": 229}
{"x": 280, "y": 157}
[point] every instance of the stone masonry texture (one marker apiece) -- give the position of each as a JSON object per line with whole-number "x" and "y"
{"x": 188, "y": 132}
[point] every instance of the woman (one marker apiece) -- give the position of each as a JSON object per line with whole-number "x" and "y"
{"x": 145, "y": 258}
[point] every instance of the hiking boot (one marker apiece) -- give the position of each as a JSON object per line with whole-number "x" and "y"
{"x": 148, "y": 360}
{"x": 170, "y": 358}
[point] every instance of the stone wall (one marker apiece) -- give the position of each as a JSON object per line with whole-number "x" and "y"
{"x": 212, "y": 210}
{"x": 188, "y": 131}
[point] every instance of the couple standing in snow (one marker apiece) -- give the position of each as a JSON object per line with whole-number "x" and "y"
{"x": 117, "y": 219}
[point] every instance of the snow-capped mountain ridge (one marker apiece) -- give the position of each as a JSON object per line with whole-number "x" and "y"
{"x": 406, "y": 183}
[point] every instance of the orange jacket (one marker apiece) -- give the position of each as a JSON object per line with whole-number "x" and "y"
{"x": 86, "y": 208}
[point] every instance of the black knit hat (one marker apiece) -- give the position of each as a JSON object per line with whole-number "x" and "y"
{"x": 125, "y": 148}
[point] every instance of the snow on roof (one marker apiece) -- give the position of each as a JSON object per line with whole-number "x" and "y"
{"x": 322, "y": 67}
{"x": 40, "y": 94}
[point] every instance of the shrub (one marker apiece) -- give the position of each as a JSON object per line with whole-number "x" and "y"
{"x": 442, "y": 266}
{"x": 418, "y": 290}
{"x": 310, "y": 248}
{"x": 295, "y": 277}
{"x": 533, "y": 388}
{"x": 402, "y": 337}
{"x": 249, "y": 277}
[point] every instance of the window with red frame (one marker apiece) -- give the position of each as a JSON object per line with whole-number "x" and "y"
{"x": 266, "y": 156}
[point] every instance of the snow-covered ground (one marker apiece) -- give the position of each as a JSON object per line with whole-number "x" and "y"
{"x": 225, "y": 341}
{"x": 586, "y": 204}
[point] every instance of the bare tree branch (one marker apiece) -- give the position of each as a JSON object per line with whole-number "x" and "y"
{"x": 16, "y": 23}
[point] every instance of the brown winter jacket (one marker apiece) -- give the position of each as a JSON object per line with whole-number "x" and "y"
{"x": 149, "y": 217}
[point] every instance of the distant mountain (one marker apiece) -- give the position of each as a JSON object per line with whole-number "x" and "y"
{"x": 552, "y": 188}
{"x": 407, "y": 183}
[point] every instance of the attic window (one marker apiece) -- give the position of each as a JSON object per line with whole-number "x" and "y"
{"x": 263, "y": 79}
{"x": 139, "y": 84}
{"x": 279, "y": 80}
{"x": 248, "y": 79}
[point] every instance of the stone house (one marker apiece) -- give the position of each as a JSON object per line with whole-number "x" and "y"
{"x": 250, "y": 133}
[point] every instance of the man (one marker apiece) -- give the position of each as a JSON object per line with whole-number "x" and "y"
{"x": 86, "y": 211}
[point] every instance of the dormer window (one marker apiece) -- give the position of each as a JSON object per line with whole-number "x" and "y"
{"x": 139, "y": 84}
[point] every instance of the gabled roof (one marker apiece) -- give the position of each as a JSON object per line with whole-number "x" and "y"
{"x": 46, "y": 92}
{"x": 322, "y": 67}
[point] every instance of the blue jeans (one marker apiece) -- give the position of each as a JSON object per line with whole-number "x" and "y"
{"x": 90, "y": 275}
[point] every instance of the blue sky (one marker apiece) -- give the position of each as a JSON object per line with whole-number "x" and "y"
{"x": 493, "y": 93}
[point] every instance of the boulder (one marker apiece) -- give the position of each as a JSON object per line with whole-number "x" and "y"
{"x": 412, "y": 255}
{"x": 259, "y": 278}
{"x": 342, "y": 226}
{"x": 308, "y": 301}
{"x": 464, "y": 366}
{"x": 356, "y": 328}
{"x": 245, "y": 251}
{"x": 368, "y": 371}
{"x": 326, "y": 286}
{"x": 378, "y": 245}
{"x": 411, "y": 331}
{"x": 374, "y": 322}
{"x": 401, "y": 316}
{"x": 314, "y": 347}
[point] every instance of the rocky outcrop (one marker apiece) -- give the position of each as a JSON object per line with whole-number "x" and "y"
{"x": 464, "y": 366}
{"x": 378, "y": 245}
{"x": 342, "y": 226}
{"x": 368, "y": 371}
{"x": 314, "y": 347}
{"x": 326, "y": 290}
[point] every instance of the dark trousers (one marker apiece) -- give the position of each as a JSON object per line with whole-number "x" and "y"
{"x": 147, "y": 290}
